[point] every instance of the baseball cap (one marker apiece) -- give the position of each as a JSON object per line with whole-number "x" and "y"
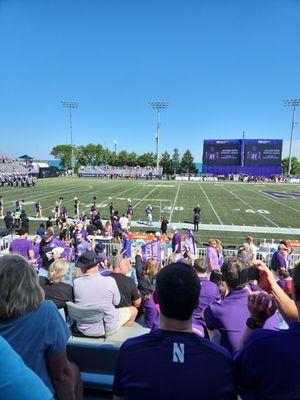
{"x": 87, "y": 259}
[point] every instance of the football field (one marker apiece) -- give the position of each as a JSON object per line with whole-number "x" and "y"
{"x": 229, "y": 210}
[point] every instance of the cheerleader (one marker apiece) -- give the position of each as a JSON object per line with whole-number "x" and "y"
{"x": 57, "y": 211}
{"x": 38, "y": 210}
{"x": 76, "y": 208}
{"x": 64, "y": 213}
{"x": 1, "y": 206}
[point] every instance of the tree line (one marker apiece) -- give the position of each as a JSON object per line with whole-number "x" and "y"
{"x": 96, "y": 154}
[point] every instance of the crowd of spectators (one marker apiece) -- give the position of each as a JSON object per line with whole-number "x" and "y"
{"x": 109, "y": 171}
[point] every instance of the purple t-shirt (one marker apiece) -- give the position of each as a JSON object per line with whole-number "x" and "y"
{"x": 278, "y": 261}
{"x": 22, "y": 247}
{"x": 176, "y": 240}
{"x": 127, "y": 247}
{"x": 211, "y": 258}
{"x": 99, "y": 291}
{"x": 189, "y": 363}
{"x": 268, "y": 365}
{"x": 229, "y": 317}
{"x": 55, "y": 242}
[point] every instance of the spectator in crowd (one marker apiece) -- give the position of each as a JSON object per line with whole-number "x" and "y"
{"x": 173, "y": 348}
{"x": 252, "y": 254}
{"x": 211, "y": 256}
{"x": 176, "y": 244}
{"x": 220, "y": 252}
{"x": 36, "y": 248}
{"x": 130, "y": 296}
{"x": 164, "y": 225}
{"x": 126, "y": 245}
{"x": 209, "y": 293}
{"x": 9, "y": 221}
{"x": 243, "y": 253}
{"x": 116, "y": 227}
{"x": 81, "y": 245}
{"x": 34, "y": 328}
{"x": 124, "y": 222}
{"x": 216, "y": 277}
{"x": 24, "y": 220}
{"x": 92, "y": 289}
{"x": 41, "y": 230}
{"x": 51, "y": 241}
{"x": 285, "y": 281}
{"x": 268, "y": 356}
{"x": 49, "y": 222}
{"x": 107, "y": 229}
{"x": 56, "y": 290}
{"x": 228, "y": 317}
{"x": 17, "y": 381}
{"x": 280, "y": 258}
{"x": 22, "y": 245}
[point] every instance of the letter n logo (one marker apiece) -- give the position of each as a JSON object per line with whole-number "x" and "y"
{"x": 178, "y": 352}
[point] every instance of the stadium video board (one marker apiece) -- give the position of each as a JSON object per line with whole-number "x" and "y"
{"x": 262, "y": 152}
{"x": 221, "y": 152}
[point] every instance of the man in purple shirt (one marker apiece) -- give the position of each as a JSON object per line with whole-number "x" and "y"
{"x": 228, "y": 317}
{"x": 211, "y": 256}
{"x": 126, "y": 245}
{"x": 279, "y": 259}
{"x": 267, "y": 366}
{"x": 51, "y": 241}
{"x": 176, "y": 244}
{"x": 173, "y": 362}
{"x": 22, "y": 245}
{"x": 209, "y": 293}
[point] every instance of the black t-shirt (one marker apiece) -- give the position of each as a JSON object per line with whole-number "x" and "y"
{"x": 127, "y": 289}
{"x": 59, "y": 292}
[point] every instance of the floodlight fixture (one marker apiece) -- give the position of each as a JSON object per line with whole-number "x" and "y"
{"x": 291, "y": 103}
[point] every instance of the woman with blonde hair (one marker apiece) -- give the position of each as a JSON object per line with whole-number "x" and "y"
{"x": 34, "y": 328}
{"x": 56, "y": 290}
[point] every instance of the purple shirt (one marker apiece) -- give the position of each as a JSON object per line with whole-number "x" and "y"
{"x": 278, "y": 261}
{"x": 127, "y": 247}
{"x": 211, "y": 258}
{"x": 55, "y": 242}
{"x": 229, "y": 317}
{"x": 176, "y": 241}
{"x": 151, "y": 313}
{"x": 268, "y": 365}
{"x": 172, "y": 365}
{"x": 99, "y": 291}
{"x": 21, "y": 246}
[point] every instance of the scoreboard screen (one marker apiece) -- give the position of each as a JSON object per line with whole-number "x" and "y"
{"x": 222, "y": 152}
{"x": 262, "y": 152}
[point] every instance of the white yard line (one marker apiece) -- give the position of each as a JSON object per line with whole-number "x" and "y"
{"x": 210, "y": 203}
{"x": 174, "y": 202}
{"x": 275, "y": 201}
{"x": 250, "y": 206}
{"x": 145, "y": 197}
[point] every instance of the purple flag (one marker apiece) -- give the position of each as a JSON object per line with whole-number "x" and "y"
{"x": 190, "y": 241}
{"x": 152, "y": 250}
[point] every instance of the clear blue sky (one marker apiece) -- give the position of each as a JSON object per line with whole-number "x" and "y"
{"x": 224, "y": 66}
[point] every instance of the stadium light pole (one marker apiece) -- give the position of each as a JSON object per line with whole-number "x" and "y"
{"x": 158, "y": 105}
{"x": 291, "y": 103}
{"x": 115, "y": 144}
{"x": 71, "y": 105}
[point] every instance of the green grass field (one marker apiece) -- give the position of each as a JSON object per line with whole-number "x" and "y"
{"x": 225, "y": 203}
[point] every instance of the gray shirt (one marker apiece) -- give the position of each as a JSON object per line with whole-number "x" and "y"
{"x": 97, "y": 290}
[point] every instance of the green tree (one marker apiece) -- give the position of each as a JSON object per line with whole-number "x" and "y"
{"x": 147, "y": 159}
{"x": 187, "y": 163}
{"x": 62, "y": 152}
{"x": 295, "y": 165}
{"x": 132, "y": 159}
{"x": 166, "y": 163}
{"x": 175, "y": 161}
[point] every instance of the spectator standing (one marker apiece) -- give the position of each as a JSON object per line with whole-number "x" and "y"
{"x": 267, "y": 365}
{"x": 280, "y": 258}
{"x": 252, "y": 250}
{"x": 211, "y": 256}
{"x": 24, "y": 220}
{"x": 22, "y": 245}
{"x": 176, "y": 244}
{"x": 164, "y": 225}
{"x": 126, "y": 245}
{"x": 124, "y": 222}
{"x": 41, "y": 230}
{"x": 173, "y": 348}
{"x": 9, "y": 221}
{"x": 196, "y": 219}
{"x": 228, "y": 317}
{"x": 107, "y": 229}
